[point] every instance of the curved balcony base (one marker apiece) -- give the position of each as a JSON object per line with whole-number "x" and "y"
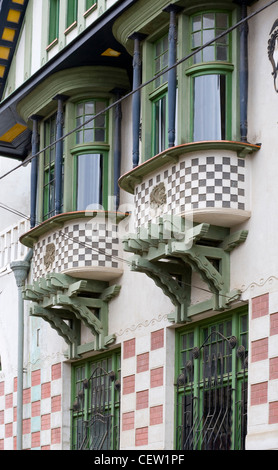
{"x": 81, "y": 244}
{"x": 94, "y": 273}
{"x": 218, "y": 216}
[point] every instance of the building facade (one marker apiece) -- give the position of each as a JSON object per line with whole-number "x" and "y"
{"x": 138, "y": 272}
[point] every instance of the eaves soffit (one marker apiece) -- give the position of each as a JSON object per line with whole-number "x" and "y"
{"x": 85, "y": 50}
{"x": 11, "y": 17}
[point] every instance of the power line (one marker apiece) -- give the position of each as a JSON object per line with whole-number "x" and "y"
{"x": 103, "y": 252}
{"x": 224, "y": 33}
{"x": 115, "y": 103}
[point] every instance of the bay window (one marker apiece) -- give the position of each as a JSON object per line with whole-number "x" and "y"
{"x": 206, "y": 83}
{"x": 90, "y": 154}
{"x": 96, "y": 129}
{"x": 91, "y": 171}
{"x": 49, "y": 168}
{"x": 209, "y": 107}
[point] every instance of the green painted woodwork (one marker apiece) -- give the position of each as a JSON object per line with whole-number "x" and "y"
{"x": 90, "y": 3}
{"x": 135, "y": 176}
{"x": 186, "y": 249}
{"x": 59, "y": 299}
{"x": 192, "y": 336}
{"x": 82, "y": 86}
{"x": 72, "y": 6}
{"x": 54, "y": 9}
{"x": 76, "y": 83}
{"x": 57, "y": 222}
{"x": 81, "y": 373}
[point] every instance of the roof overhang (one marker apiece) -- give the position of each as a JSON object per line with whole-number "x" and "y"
{"x": 87, "y": 49}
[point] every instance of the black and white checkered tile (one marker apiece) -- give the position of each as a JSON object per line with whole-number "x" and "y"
{"x": 194, "y": 183}
{"x": 78, "y": 245}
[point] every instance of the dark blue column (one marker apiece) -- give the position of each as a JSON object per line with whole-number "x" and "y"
{"x": 34, "y": 171}
{"x": 172, "y": 74}
{"x": 117, "y": 144}
{"x": 136, "y": 99}
{"x": 243, "y": 74}
{"x": 59, "y": 154}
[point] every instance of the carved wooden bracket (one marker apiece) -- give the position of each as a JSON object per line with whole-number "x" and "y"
{"x": 169, "y": 251}
{"x": 66, "y": 302}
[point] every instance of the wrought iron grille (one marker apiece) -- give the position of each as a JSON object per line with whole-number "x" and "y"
{"x": 96, "y": 412}
{"x": 212, "y": 396}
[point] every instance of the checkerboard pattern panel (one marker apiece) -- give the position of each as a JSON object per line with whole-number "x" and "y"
{"x": 196, "y": 183}
{"x": 79, "y": 245}
{"x": 42, "y": 411}
{"x": 143, "y": 390}
{"x": 263, "y": 369}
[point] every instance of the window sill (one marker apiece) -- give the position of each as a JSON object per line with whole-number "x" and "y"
{"x": 90, "y": 146}
{"x": 52, "y": 44}
{"x": 130, "y": 179}
{"x": 70, "y": 28}
{"x": 57, "y": 221}
{"x": 91, "y": 9}
{"x": 206, "y": 66}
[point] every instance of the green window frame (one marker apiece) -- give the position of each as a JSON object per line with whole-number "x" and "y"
{"x": 160, "y": 123}
{"x": 90, "y": 178}
{"x": 161, "y": 60}
{"x": 159, "y": 97}
{"x": 72, "y": 7}
{"x": 54, "y": 13}
{"x": 211, "y": 109}
{"x": 91, "y": 155}
{"x": 210, "y": 76}
{"x": 96, "y": 130}
{"x": 49, "y": 168}
{"x": 200, "y": 342}
{"x": 81, "y": 390}
{"x": 205, "y": 26}
{"x": 90, "y": 3}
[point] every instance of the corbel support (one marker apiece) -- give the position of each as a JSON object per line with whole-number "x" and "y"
{"x": 63, "y": 291}
{"x": 188, "y": 246}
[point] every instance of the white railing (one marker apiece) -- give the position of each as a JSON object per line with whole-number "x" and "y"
{"x": 10, "y": 247}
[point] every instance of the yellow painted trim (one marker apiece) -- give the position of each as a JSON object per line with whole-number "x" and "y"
{"x": 2, "y": 71}
{"x": 14, "y": 16}
{"x": 8, "y": 34}
{"x": 111, "y": 53}
{"x": 4, "y": 52}
{"x": 11, "y": 134}
{"x": 20, "y": 2}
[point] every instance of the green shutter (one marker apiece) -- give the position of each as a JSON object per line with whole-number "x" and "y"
{"x": 54, "y": 8}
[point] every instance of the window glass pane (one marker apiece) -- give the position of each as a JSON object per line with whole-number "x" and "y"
{"x": 209, "y": 107}
{"x": 208, "y": 54}
{"x": 205, "y": 28}
{"x": 89, "y": 180}
{"x": 94, "y": 129}
{"x": 208, "y": 35}
{"x": 160, "y": 125}
{"x": 221, "y": 53}
{"x": 89, "y": 108}
{"x": 161, "y": 60}
{"x": 221, "y": 20}
{"x": 196, "y": 39}
{"x": 208, "y": 20}
{"x": 197, "y": 23}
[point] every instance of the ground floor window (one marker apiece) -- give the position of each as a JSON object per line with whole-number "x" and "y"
{"x": 96, "y": 403}
{"x": 212, "y": 384}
